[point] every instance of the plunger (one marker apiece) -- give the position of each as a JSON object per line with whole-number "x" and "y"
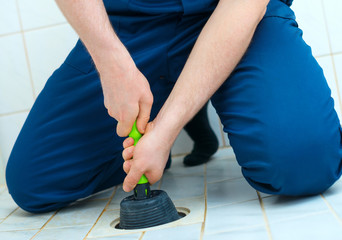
{"x": 146, "y": 207}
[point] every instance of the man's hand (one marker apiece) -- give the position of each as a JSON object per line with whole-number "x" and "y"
{"x": 148, "y": 157}
{"x": 127, "y": 97}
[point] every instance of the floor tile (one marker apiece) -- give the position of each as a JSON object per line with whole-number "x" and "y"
{"x": 179, "y": 169}
{"x": 282, "y": 208}
{"x": 18, "y": 235}
{"x": 81, "y": 213}
{"x": 255, "y": 233}
{"x": 334, "y": 195}
{"x": 226, "y": 153}
{"x": 47, "y": 50}
{"x": 103, "y": 195}
{"x": 314, "y": 227}
{"x": 7, "y": 205}
{"x": 196, "y": 215}
{"x": 9, "y": 19}
{"x": 310, "y": 18}
{"x": 39, "y": 13}
{"x": 223, "y": 169}
{"x": 73, "y": 233}
{"x": 333, "y": 9}
{"x": 10, "y": 127}
{"x": 234, "y": 216}
{"x": 15, "y": 86}
{"x": 104, "y": 229}
{"x": 179, "y": 187}
{"x": 231, "y": 191}
{"x": 326, "y": 64}
{"x": 135, "y": 236}
{"x": 21, "y": 220}
{"x": 186, "y": 232}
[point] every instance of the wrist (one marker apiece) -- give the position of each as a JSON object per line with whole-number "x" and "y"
{"x": 111, "y": 55}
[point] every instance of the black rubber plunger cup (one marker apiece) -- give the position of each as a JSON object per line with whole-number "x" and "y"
{"x": 146, "y": 208}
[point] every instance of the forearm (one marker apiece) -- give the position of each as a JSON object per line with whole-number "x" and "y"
{"x": 91, "y": 22}
{"x": 220, "y": 46}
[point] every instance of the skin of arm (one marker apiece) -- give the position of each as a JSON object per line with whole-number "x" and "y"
{"x": 218, "y": 49}
{"x": 118, "y": 73}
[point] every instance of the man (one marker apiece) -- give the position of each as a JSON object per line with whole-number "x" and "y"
{"x": 162, "y": 62}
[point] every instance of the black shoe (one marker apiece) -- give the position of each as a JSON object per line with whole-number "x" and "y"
{"x": 205, "y": 140}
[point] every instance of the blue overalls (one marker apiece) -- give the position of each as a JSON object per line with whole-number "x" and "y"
{"x": 275, "y": 106}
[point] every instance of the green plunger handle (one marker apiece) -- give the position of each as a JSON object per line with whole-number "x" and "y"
{"x": 136, "y": 135}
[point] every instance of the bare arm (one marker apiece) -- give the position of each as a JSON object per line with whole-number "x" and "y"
{"x": 117, "y": 70}
{"x": 220, "y": 46}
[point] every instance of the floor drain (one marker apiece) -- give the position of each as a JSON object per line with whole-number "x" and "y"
{"x": 182, "y": 212}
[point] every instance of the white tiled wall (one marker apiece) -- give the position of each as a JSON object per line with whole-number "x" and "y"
{"x": 35, "y": 38}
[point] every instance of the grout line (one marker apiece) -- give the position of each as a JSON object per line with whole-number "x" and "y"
{"x": 9, "y": 215}
{"x": 227, "y": 180}
{"x": 13, "y": 113}
{"x": 44, "y": 225}
{"x": 336, "y": 53}
{"x": 45, "y": 27}
{"x": 267, "y": 224}
{"x": 32, "y": 29}
{"x": 26, "y": 51}
{"x": 142, "y": 235}
{"x": 104, "y": 209}
{"x": 205, "y": 202}
{"x": 233, "y": 203}
{"x": 331, "y": 209}
{"x": 332, "y": 58}
{"x": 9, "y": 34}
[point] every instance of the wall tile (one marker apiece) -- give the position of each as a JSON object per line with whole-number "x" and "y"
{"x": 310, "y": 18}
{"x": 333, "y": 9}
{"x": 9, "y": 19}
{"x": 39, "y": 13}
{"x": 2, "y": 169}
{"x": 338, "y": 68}
{"x": 47, "y": 50}
{"x": 15, "y": 86}
{"x": 326, "y": 64}
{"x": 10, "y": 127}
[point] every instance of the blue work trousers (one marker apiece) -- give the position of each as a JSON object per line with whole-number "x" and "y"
{"x": 276, "y": 108}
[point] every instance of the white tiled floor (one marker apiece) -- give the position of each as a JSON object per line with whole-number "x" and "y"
{"x": 228, "y": 209}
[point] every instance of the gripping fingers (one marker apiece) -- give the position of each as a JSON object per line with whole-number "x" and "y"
{"x": 132, "y": 179}
{"x": 127, "y": 153}
{"x": 127, "y": 166}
